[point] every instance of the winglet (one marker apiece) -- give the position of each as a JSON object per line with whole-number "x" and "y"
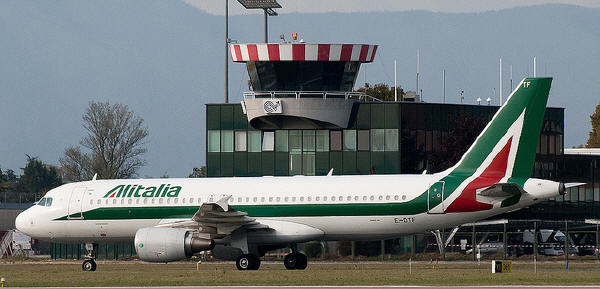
{"x": 224, "y": 203}
{"x": 330, "y": 172}
{"x": 95, "y": 176}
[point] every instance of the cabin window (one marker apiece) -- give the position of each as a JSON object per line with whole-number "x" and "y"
{"x": 293, "y": 199}
{"x": 199, "y": 200}
{"x": 130, "y": 201}
{"x": 161, "y": 200}
{"x": 191, "y": 200}
{"x": 247, "y": 200}
{"x": 106, "y": 202}
{"x": 333, "y": 198}
{"x": 262, "y": 199}
{"x": 99, "y": 202}
{"x": 396, "y": 197}
{"x": 255, "y": 199}
{"x": 340, "y": 198}
{"x": 114, "y": 201}
{"x": 380, "y": 198}
{"x": 403, "y": 197}
{"x": 91, "y": 202}
{"x": 309, "y": 199}
{"x": 183, "y": 200}
{"x": 122, "y": 201}
{"x": 325, "y": 198}
{"x": 278, "y": 199}
{"x": 145, "y": 201}
{"x": 270, "y": 199}
{"x": 287, "y": 199}
{"x": 387, "y": 198}
{"x": 372, "y": 198}
{"x": 153, "y": 200}
{"x": 239, "y": 200}
{"x": 168, "y": 201}
{"x": 364, "y": 198}
{"x": 349, "y": 198}
{"x": 137, "y": 201}
{"x": 356, "y": 198}
{"x": 301, "y": 199}
{"x": 175, "y": 200}
{"x": 317, "y": 198}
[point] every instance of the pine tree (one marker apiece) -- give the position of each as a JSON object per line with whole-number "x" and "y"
{"x": 594, "y": 139}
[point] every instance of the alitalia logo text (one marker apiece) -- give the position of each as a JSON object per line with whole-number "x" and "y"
{"x": 139, "y": 191}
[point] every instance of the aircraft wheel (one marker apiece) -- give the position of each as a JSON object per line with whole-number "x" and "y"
{"x": 247, "y": 262}
{"x": 88, "y": 265}
{"x": 302, "y": 262}
{"x": 291, "y": 261}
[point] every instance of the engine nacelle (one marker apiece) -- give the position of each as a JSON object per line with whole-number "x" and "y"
{"x": 168, "y": 244}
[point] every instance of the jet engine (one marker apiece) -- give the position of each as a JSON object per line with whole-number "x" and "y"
{"x": 169, "y": 244}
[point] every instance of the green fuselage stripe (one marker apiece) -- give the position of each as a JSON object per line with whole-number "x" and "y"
{"x": 413, "y": 207}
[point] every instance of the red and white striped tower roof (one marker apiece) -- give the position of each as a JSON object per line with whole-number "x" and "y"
{"x": 302, "y": 52}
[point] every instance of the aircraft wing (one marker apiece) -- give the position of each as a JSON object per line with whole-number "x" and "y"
{"x": 505, "y": 193}
{"x": 217, "y": 219}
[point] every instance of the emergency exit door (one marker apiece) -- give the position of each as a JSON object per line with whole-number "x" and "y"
{"x": 435, "y": 198}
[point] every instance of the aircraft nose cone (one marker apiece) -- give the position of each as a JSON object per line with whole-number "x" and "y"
{"x": 21, "y": 222}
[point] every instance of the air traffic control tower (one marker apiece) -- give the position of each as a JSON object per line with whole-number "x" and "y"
{"x": 301, "y": 86}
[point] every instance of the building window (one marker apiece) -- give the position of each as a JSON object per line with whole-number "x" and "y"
{"x": 377, "y": 140}
{"x": 240, "y": 141}
{"x": 391, "y": 140}
{"x": 322, "y": 140}
{"x": 349, "y": 140}
{"x": 308, "y": 165}
{"x": 308, "y": 140}
{"x": 281, "y": 140}
{"x": 254, "y": 141}
{"x": 214, "y": 141}
{"x": 226, "y": 141}
{"x": 295, "y": 163}
{"x": 363, "y": 140}
{"x": 268, "y": 143}
{"x": 336, "y": 140}
{"x": 295, "y": 140}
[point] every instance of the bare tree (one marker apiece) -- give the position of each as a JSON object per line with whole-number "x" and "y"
{"x": 115, "y": 141}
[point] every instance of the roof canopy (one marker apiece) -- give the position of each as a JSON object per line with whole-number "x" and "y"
{"x": 302, "y": 52}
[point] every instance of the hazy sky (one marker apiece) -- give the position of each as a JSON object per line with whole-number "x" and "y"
{"x": 325, "y": 6}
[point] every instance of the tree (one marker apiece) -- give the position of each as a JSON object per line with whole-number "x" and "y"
{"x": 38, "y": 177}
{"x": 594, "y": 138}
{"x": 114, "y": 143}
{"x": 382, "y": 91}
{"x": 198, "y": 172}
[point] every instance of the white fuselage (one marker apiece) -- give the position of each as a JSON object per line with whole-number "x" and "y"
{"x": 341, "y": 207}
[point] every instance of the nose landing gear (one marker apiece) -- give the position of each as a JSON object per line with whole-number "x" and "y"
{"x": 89, "y": 264}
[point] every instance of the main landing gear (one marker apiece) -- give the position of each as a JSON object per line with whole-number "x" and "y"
{"x": 247, "y": 262}
{"x": 89, "y": 264}
{"x": 295, "y": 260}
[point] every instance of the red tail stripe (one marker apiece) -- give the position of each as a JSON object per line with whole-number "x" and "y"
{"x": 466, "y": 202}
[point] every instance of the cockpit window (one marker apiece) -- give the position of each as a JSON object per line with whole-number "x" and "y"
{"x": 42, "y": 202}
{"x": 48, "y": 202}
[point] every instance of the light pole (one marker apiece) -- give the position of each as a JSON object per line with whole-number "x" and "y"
{"x": 226, "y": 51}
{"x": 267, "y": 6}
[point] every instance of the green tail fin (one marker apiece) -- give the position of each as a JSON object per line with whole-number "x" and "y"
{"x": 510, "y": 140}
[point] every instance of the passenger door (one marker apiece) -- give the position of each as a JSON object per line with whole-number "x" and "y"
{"x": 76, "y": 203}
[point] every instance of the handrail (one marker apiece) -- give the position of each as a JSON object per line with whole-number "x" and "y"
{"x": 5, "y": 244}
{"x": 309, "y": 94}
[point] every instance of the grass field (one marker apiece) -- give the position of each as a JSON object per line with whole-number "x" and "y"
{"x": 369, "y": 273}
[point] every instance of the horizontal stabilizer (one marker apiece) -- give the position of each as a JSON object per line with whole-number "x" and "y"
{"x": 572, "y": 185}
{"x": 505, "y": 193}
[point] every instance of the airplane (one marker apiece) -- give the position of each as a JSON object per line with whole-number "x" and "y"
{"x": 174, "y": 219}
